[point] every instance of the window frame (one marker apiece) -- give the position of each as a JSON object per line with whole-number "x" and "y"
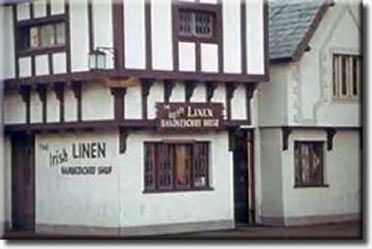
{"x": 337, "y": 87}
{"x": 322, "y": 165}
{"x": 212, "y": 9}
{"x": 155, "y": 188}
{"x": 24, "y": 26}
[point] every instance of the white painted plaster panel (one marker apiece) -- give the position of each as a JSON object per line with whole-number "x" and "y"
{"x": 342, "y": 174}
{"x": 239, "y": 103}
{"x": 40, "y": 8}
{"x": 161, "y": 30}
{"x": 231, "y": 36}
{"x": 138, "y": 208}
{"x": 14, "y": 108}
{"x": 134, "y": 33}
{"x": 80, "y": 200}
{"x": 23, "y": 11}
{"x": 272, "y": 190}
{"x": 102, "y": 28}
{"x": 273, "y": 97}
{"x": 178, "y": 92}
{"x": 59, "y": 63}
{"x": 36, "y": 108}
{"x": 133, "y": 103}
{"x": 7, "y": 43}
{"x": 41, "y": 65}
{"x": 186, "y": 56}
{"x": 97, "y": 102}
{"x": 156, "y": 95}
{"x": 219, "y": 96}
{"x": 209, "y": 58}
{"x": 255, "y": 37}
{"x": 70, "y": 105}
{"x": 52, "y": 106}
{"x": 57, "y": 7}
{"x": 200, "y": 92}
{"x": 24, "y": 67}
{"x": 79, "y": 35}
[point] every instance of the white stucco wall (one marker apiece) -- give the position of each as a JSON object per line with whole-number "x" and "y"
{"x": 92, "y": 94}
{"x": 341, "y": 174}
{"x": 272, "y": 97}
{"x": 271, "y": 171}
{"x": 139, "y": 209}
{"x": 80, "y": 200}
{"x": 134, "y": 33}
{"x": 117, "y": 199}
{"x": 310, "y": 92}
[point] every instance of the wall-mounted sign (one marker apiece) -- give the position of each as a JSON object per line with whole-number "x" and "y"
{"x": 89, "y": 151}
{"x": 189, "y": 116}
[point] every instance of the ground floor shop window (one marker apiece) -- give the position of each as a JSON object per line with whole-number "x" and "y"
{"x": 171, "y": 166}
{"x": 309, "y": 164}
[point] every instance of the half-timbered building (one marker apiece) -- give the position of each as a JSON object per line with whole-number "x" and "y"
{"x": 131, "y": 117}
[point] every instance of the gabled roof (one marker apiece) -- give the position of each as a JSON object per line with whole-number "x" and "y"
{"x": 292, "y": 23}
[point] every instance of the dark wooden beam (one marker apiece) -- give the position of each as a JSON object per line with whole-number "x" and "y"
{"x": 123, "y": 135}
{"x": 59, "y": 89}
{"x": 119, "y": 94}
{"x": 286, "y": 131}
{"x": 249, "y": 92}
{"x": 25, "y": 92}
{"x": 189, "y": 89}
{"x": 331, "y": 132}
{"x": 42, "y": 92}
{"x": 76, "y": 88}
{"x": 118, "y": 27}
{"x": 168, "y": 87}
{"x": 210, "y": 88}
{"x": 230, "y": 89}
{"x": 146, "y": 85}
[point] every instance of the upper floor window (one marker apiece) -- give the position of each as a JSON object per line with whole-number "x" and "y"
{"x": 346, "y": 76}
{"x": 42, "y": 36}
{"x": 196, "y": 24}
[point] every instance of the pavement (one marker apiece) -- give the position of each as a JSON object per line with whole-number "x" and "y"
{"x": 337, "y": 231}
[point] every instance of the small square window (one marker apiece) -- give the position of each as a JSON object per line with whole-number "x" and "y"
{"x": 197, "y": 24}
{"x": 309, "y": 165}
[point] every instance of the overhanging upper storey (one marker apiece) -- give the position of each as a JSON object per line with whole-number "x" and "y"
{"x": 203, "y": 40}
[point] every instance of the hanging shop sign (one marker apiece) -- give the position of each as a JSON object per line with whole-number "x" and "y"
{"x": 189, "y": 116}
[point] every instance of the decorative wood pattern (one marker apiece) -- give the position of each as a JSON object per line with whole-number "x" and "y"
{"x": 189, "y": 89}
{"x": 42, "y": 92}
{"x": 230, "y": 89}
{"x": 168, "y": 87}
{"x": 145, "y": 90}
{"x": 210, "y": 88}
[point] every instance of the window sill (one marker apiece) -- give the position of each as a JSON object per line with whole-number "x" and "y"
{"x": 41, "y": 51}
{"x": 312, "y": 186}
{"x": 177, "y": 190}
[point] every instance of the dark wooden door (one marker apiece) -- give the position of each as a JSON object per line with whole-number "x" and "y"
{"x": 243, "y": 177}
{"x": 23, "y": 182}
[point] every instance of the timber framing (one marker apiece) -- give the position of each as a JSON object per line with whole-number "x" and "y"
{"x": 129, "y": 124}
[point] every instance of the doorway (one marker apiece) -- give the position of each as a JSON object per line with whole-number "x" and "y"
{"x": 23, "y": 182}
{"x": 244, "y": 192}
